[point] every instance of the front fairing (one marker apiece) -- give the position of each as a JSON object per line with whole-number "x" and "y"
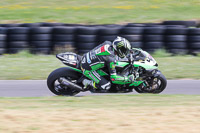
{"x": 144, "y": 59}
{"x": 147, "y": 66}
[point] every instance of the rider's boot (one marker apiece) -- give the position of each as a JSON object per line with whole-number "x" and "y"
{"x": 88, "y": 84}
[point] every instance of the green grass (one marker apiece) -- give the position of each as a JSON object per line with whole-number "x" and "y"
{"x": 180, "y": 67}
{"x": 27, "y": 66}
{"x": 102, "y": 11}
{"x": 109, "y": 101}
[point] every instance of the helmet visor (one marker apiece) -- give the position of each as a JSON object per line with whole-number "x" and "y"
{"x": 122, "y": 52}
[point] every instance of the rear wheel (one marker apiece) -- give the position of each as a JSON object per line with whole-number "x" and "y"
{"x": 59, "y": 89}
{"x": 153, "y": 85}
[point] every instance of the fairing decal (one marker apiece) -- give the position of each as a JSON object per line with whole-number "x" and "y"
{"x": 136, "y": 83}
{"x": 78, "y": 70}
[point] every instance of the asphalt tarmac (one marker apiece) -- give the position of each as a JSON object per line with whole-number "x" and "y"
{"x": 38, "y": 88}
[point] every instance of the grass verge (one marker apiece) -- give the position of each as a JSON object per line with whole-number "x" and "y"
{"x": 27, "y": 66}
{"x": 113, "y": 113}
{"x": 103, "y": 11}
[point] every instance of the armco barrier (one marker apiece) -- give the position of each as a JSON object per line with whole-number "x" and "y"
{"x": 178, "y": 37}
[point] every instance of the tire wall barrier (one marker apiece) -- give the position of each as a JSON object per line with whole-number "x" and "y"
{"x": 3, "y": 38}
{"x": 177, "y": 37}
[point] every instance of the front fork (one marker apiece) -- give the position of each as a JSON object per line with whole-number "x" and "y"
{"x": 153, "y": 74}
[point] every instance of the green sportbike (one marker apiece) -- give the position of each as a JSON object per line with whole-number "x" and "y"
{"x": 148, "y": 79}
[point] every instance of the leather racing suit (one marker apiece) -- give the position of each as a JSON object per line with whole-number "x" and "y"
{"x": 99, "y": 57}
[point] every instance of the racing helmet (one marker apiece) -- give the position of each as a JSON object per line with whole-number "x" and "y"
{"x": 121, "y": 46}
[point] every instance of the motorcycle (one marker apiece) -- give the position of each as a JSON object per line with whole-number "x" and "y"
{"x": 148, "y": 79}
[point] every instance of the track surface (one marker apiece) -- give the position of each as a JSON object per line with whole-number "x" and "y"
{"x": 38, "y": 88}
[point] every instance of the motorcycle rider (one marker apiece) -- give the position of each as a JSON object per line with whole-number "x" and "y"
{"x": 101, "y": 56}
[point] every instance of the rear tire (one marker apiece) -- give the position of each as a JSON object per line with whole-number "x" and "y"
{"x": 58, "y": 73}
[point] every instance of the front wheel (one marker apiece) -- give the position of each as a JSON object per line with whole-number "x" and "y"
{"x": 153, "y": 85}
{"x": 60, "y": 89}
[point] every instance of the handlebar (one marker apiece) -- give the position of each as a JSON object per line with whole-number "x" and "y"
{"x": 132, "y": 56}
{"x": 131, "y": 59}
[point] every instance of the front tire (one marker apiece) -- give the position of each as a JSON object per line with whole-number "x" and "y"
{"x": 59, "y": 89}
{"x": 157, "y": 85}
